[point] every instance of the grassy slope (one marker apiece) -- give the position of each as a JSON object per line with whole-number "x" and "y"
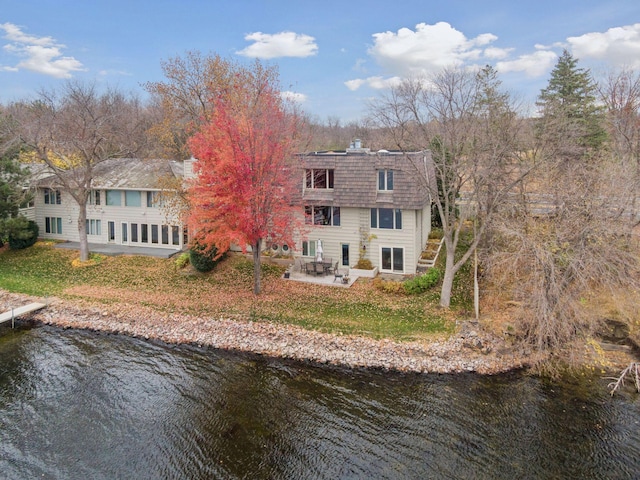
{"x": 226, "y": 292}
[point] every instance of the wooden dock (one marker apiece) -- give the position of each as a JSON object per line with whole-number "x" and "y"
{"x": 14, "y": 313}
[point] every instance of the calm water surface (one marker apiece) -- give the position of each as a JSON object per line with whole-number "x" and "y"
{"x": 80, "y": 405}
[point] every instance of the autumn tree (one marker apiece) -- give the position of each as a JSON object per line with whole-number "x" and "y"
{"x": 72, "y": 130}
{"x": 619, "y": 92}
{"x": 186, "y": 99}
{"x": 246, "y": 175}
{"x": 579, "y": 246}
{"x": 472, "y": 131}
{"x": 332, "y": 134}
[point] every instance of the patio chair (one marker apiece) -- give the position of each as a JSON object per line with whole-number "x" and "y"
{"x": 299, "y": 264}
{"x": 328, "y": 266}
{"x": 310, "y": 268}
{"x": 336, "y": 273}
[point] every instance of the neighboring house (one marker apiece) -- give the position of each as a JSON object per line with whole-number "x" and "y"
{"x": 357, "y": 202}
{"x": 36, "y": 171}
{"x": 370, "y": 203}
{"x": 123, "y": 207}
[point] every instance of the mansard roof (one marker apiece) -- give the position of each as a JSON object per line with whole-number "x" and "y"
{"x": 355, "y": 178}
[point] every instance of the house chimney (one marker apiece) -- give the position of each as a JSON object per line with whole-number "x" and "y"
{"x": 356, "y": 147}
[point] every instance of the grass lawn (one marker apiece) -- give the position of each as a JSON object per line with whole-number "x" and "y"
{"x": 226, "y": 292}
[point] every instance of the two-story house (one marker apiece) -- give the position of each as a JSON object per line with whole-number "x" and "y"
{"x": 123, "y": 208}
{"x": 370, "y": 204}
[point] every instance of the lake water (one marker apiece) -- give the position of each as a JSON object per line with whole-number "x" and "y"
{"x": 82, "y": 405}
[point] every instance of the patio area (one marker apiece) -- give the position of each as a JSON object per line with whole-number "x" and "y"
{"x": 299, "y": 274}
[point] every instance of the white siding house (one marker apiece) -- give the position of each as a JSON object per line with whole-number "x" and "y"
{"x": 369, "y": 204}
{"x": 123, "y": 207}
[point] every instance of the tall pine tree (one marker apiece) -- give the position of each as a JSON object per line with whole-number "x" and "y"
{"x": 571, "y": 122}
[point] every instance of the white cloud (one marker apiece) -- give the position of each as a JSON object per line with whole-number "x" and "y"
{"x": 360, "y": 65}
{"x": 620, "y": 46}
{"x": 355, "y": 84}
{"x": 533, "y": 64}
{"x": 283, "y": 44}
{"x": 111, "y": 73}
{"x": 376, "y": 82}
{"x": 40, "y": 54}
{"x": 425, "y": 50}
{"x": 495, "y": 53}
{"x": 294, "y": 96}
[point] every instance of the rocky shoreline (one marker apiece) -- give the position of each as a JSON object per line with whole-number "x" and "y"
{"x": 470, "y": 349}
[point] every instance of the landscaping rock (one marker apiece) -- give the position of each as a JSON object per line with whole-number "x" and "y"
{"x": 471, "y": 350}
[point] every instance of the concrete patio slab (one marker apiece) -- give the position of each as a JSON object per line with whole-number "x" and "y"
{"x": 327, "y": 280}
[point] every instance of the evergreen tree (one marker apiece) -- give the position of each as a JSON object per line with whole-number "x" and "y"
{"x": 571, "y": 121}
{"x": 12, "y": 178}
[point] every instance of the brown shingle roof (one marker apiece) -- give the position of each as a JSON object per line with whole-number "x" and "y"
{"x": 355, "y": 179}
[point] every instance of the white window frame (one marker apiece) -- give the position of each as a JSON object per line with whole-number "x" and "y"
{"x": 52, "y": 197}
{"x": 310, "y": 215}
{"x": 114, "y": 196}
{"x": 54, "y": 225}
{"x": 385, "y": 180}
{"x": 94, "y": 197}
{"x": 311, "y": 174}
{"x": 309, "y": 248}
{"x": 93, "y": 226}
{"x": 397, "y": 217}
{"x": 392, "y": 252}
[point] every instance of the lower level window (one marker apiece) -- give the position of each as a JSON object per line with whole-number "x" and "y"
{"x": 93, "y": 226}
{"x": 53, "y": 225}
{"x": 175, "y": 235}
{"x": 309, "y": 248}
{"x": 165, "y": 234}
{"x": 392, "y": 259}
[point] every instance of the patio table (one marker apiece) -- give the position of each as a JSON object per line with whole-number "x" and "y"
{"x": 318, "y": 268}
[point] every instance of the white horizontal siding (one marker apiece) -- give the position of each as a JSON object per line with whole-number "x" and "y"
{"x": 29, "y": 213}
{"x": 349, "y": 232}
{"x": 404, "y": 238}
{"x": 68, "y": 210}
{"x": 333, "y": 237}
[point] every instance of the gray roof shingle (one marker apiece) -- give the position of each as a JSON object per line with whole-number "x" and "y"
{"x": 355, "y": 179}
{"x": 129, "y": 173}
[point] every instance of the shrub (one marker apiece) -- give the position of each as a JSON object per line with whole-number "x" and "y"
{"x": 436, "y": 234}
{"x": 25, "y": 237}
{"x": 201, "y": 259}
{"x": 182, "y": 260}
{"x": 422, "y": 283}
{"x": 388, "y": 286}
{"x": 364, "y": 264}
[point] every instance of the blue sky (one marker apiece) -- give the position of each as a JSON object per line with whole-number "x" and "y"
{"x": 335, "y": 56}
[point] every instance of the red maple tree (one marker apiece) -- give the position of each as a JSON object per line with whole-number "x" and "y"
{"x": 246, "y": 176}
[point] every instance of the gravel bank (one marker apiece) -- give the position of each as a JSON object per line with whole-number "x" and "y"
{"x": 469, "y": 350}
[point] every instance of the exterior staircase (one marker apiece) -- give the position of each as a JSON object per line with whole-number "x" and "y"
{"x": 429, "y": 254}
